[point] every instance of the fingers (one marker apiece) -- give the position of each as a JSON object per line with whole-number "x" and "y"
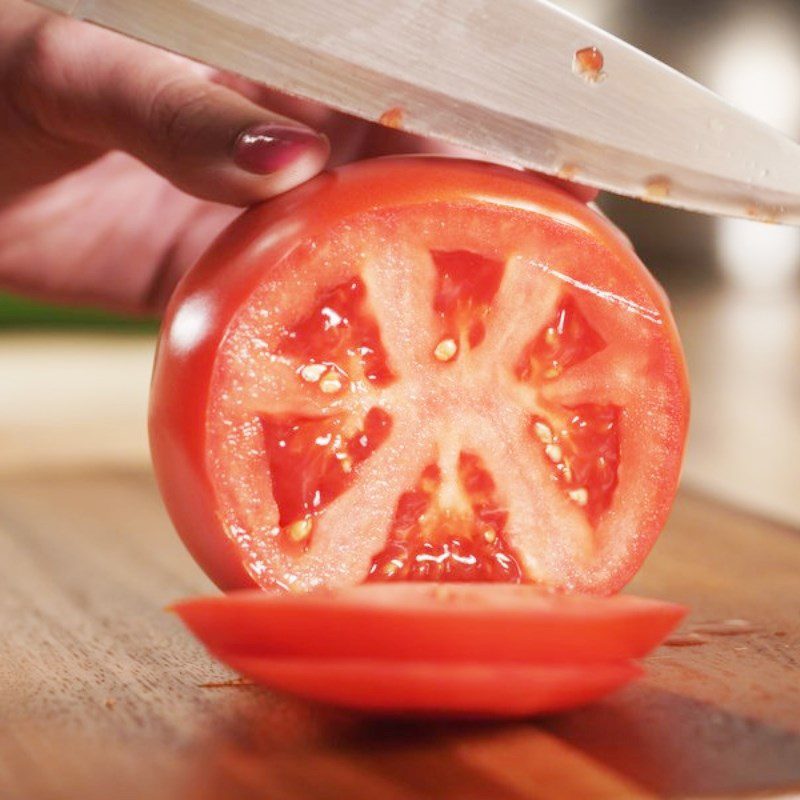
{"x": 351, "y": 138}
{"x": 347, "y": 135}
{"x": 79, "y": 84}
{"x": 82, "y": 91}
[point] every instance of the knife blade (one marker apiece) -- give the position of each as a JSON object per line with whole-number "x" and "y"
{"x": 498, "y": 76}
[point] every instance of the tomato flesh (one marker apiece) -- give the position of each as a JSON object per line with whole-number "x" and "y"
{"x": 482, "y": 690}
{"x": 420, "y": 370}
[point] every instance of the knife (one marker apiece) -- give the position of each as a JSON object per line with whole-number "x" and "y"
{"x": 520, "y": 81}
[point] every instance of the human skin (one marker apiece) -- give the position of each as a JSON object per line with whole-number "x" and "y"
{"x": 119, "y": 163}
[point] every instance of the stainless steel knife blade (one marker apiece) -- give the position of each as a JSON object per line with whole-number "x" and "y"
{"x": 498, "y": 76}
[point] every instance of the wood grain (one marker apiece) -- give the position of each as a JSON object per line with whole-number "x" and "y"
{"x": 101, "y": 692}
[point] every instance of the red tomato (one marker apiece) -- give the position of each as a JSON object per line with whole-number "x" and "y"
{"x": 432, "y": 623}
{"x": 484, "y": 690}
{"x": 419, "y": 369}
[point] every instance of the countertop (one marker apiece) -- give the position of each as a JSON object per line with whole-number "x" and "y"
{"x": 103, "y": 694}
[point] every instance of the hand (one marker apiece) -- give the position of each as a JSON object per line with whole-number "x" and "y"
{"x": 119, "y": 162}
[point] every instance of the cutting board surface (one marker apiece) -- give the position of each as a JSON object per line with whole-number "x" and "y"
{"x": 103, "y": 695}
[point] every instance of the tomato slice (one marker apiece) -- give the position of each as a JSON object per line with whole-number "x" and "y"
{"x": 429, "y": 622}
{"x": 463, "y": 689}
{"x": 419, "y": 370}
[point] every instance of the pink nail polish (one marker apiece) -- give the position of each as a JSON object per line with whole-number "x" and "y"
{"x": 266, "y": 148}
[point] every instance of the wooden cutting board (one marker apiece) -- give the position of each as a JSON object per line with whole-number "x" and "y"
{"x": 103, "y": 695}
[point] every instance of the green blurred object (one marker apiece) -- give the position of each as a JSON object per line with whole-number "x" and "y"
{"x": 22, "y": 313}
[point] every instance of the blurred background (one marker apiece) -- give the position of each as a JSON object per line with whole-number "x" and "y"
{"x": 73, "y": 384}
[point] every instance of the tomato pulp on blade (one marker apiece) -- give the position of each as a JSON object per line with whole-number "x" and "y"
{"x": 419, "y": 370}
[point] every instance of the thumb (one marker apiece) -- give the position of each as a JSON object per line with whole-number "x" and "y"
{"x": 95, "y": 88}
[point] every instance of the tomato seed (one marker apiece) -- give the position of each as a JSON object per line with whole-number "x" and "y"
{"x": 580, "y": 496}
{"x": 300, "y": 531}
{"x": 311, "y": 373}
{"x": 554, "y": 453}
{"x": 330, "y": 383}
{"x": 445, "y": 350}
{"x": 543, "y": 432}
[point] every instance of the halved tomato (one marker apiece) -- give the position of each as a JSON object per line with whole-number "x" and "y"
{"x": 431, "y": 623}
{"x": 419, "y": 370}
{"x": 464, "y": 689}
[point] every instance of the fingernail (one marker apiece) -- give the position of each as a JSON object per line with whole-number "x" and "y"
{"x": 267, "y": 148}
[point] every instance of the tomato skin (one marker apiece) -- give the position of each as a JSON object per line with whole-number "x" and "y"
{"x": 462, "y": 689}
{"x": 504, "y": 623}
{"x": 204, "y": 303}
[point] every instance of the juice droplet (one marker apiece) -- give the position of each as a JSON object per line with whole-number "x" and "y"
{"x": 392, "y": 117}
{"x": 685, "y": 640}
{"x": 588, "y": 63}
{"x": 702, "y": 632}
{"x": 657, "y": 187}
{"x": 231, "y": 683}
{"x": 725, "y": 627}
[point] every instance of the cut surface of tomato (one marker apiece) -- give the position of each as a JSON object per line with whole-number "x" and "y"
{"x": 429, "y": 622}
{"x": 418, "y": 370}
{"x": 433, "y": 688}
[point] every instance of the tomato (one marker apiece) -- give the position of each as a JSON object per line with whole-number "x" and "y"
{"x": 432, "y": 623}
{"x": 419, "y": 369}
{"x": 465, "y": 689}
